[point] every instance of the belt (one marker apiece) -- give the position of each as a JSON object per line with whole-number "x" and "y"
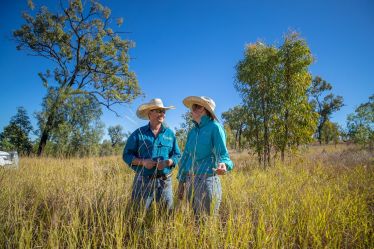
{"x": 162, "y": 176}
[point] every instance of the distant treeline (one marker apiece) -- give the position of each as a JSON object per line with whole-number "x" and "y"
{"x": 79, "y": 135}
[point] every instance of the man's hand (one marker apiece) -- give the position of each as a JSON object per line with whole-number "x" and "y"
{"x": 221, "y": 169}
{"x": 165, "y": 163}
{"x": 148, "y": 163}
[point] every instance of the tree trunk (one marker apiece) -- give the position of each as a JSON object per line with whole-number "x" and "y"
{"x": 45, "y": 134}
{"x": 285, "y": 142}
{"x": 236, "y": 138}
{"x": 266, "y": 134}
{"x": 240, "y": 136}
{"x": 51, "y": 123}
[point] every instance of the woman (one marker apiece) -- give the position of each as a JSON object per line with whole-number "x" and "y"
{"x": 205, "y": 157}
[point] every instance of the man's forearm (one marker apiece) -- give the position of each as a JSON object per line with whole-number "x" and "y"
{"x": 137, "y": 162}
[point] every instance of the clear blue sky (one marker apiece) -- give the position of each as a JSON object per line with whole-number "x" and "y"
{"x": 191, "y": 48}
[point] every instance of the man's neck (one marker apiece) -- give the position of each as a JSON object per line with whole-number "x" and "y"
{"x": 155, "y": 127}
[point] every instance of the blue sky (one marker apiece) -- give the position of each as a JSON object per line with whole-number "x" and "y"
{"x": 191, "y": 48}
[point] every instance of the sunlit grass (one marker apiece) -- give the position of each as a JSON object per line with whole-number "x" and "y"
{"x": 315, "y": 200}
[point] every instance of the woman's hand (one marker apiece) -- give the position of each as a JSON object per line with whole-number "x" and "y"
{"x": 221, "y": 169}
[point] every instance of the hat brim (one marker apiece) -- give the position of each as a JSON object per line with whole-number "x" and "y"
{"x": 189, "y": 101}
{"x": 143, "y": 110}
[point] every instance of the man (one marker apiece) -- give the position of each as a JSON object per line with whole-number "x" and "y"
{"x": 152, "y": 152}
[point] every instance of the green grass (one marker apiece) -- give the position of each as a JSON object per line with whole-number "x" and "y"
{"x": 317, "y": 199}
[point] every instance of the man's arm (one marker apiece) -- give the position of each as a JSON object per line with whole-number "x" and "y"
{"x": 130, "y": 154}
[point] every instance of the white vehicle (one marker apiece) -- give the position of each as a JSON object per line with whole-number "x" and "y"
{"x": 9, "y": 158}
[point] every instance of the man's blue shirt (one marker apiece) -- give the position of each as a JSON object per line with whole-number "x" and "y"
{"x": 143, "y": 144}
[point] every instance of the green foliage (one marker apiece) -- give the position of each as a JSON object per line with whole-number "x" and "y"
{"x": 360, "y": 124}
{"x": 182, "y": 132}
{"x": 90, "y": 59}
{"x": 235, "y": 119}
{"x": 230, "y": 137}
{"x": 273, "y": 83}
{"x": 256, "y": 82}
{"x": 106, "y": 148}
{"x": 15, "y": 136}
{"x": 116, "y": 135}
{"x": 323, "y": 103}
{"x": 296, "y": 121}
{"x": 330, "y": 132}
{"x": 75, "y": 134}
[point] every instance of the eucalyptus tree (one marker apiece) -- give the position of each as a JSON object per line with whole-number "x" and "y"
{"x": 296, "y": 120}
{"x": 182, "y": 132}
{"x": 273, "y": 83}
{"x": 80, "y": 129}
{"x": 116, "y": 135}
{"x": 88, "y": 58}
{"x": 325, "y": 103}
{"x": 15, "y": 135}
{"x": 257, "y": 83}
{"x": 235, "y": 119}
{"x": 360, "y": 124}
{"x": 330, "y": 132}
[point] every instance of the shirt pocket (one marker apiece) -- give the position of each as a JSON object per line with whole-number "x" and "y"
{"x": 164, "y": 149}
{"x": 145, "y": 148}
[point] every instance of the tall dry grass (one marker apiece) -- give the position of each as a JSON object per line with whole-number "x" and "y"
{"x": 321, "y": 198}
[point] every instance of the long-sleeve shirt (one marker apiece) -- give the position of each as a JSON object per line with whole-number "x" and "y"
{"x": 143, "y": 144}
{"x": 205, "y": 148}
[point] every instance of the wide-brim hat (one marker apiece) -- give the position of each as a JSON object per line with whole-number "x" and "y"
{"x": 142, "y": 111}
{"x": 204, "y": 101}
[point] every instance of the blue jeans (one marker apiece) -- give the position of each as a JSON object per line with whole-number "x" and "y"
{"x": 145, "y": 189}
{"x": 205, "y": 192}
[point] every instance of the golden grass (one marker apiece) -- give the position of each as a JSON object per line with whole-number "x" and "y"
{"x": 317, "y": 199}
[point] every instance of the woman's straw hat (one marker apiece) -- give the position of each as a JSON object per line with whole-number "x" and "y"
{"x": 143, "y": 109}
{"x": 204, "y": 101}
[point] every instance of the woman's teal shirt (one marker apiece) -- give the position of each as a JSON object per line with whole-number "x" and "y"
{"x": 205, "y": 148}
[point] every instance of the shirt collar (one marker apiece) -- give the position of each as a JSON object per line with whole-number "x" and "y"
{"x": 161, "y": 130}
{"x": 203, "y": 121}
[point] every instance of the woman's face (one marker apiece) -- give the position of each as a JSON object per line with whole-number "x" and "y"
{"x": 197, "y": 111}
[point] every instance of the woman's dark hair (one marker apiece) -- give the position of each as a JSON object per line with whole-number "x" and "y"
{"x": 210, "y": 115}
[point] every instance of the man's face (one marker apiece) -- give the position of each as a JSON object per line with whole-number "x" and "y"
{"x": 157, "y": 115}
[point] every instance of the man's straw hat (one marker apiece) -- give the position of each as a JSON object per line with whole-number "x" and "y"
{"x": 143, "y": 109}
{"x": 204, "y": 101}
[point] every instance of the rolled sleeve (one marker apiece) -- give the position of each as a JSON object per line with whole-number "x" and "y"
{"x": 184, "y": 162}
{"x": 220, "y": 150}
{"x": 175, "y": 153}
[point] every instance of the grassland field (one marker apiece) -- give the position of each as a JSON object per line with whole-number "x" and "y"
{"x": 320, "y": 197}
